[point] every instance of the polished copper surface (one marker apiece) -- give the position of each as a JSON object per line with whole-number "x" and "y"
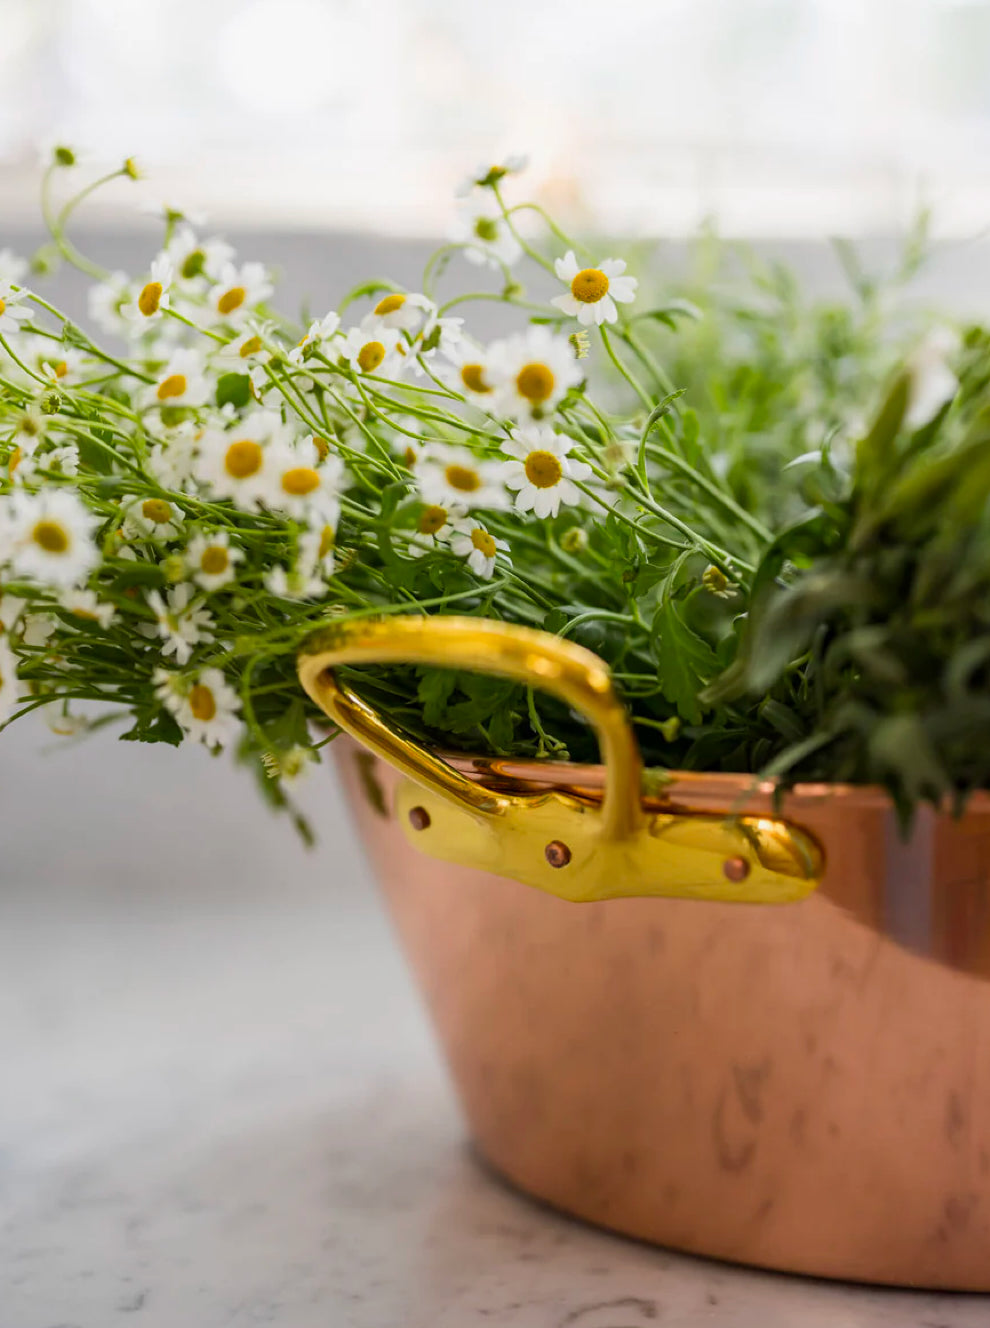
{"x": 802, "y": 1086}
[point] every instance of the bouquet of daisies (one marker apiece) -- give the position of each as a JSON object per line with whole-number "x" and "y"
{"x": 192, "y": 485}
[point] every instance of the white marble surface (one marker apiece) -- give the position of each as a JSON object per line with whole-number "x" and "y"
{"x": 220, "y": 1103}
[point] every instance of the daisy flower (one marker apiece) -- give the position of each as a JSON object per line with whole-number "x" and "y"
{"x": 195, "y": 259}
{"x": 212, "y": 560}
{"x": 305, "y": 491}
{"x": 299, "y": 582}
{"x": 238, "y": 355}
{"x": 50, "y": 537}
{"x": 106, "y": 303}
{"x": 472, "y": 541}
{"x": 63, "y": 365}
{"x": 12, "y": 266}
{"x": 208, "y": 710}
{"x": 12, "y": 311}
{"x": 85, "y": 604}
{"x": 320, "y": 331}
{"x": 437, "y": 334}
{"x": 180, "y": 624}
{"x": 152, "y": 519}
{"x": 182, "y": 382}
{"x": 376, "y": 352}
{"x": 433, "y": 529}
{"x": 488, "y": 173}
{"x": 145, "y": 307}
{"x": 172, "y": 461}
{"x": 452, "y": 476}
{"x": 401, "y": 312}
{"x": 543, "y": 472}
{"x": 593, "y": 290}
{"x": 470, "y": 372}
{"x": 531, "y": 371}
{"x": 481, "y": 227}
{"x": 238, "y": 292}
{"x": 29, "y": 431}
{"x": 232, "y": 463}
{"x": 9, "y": 686}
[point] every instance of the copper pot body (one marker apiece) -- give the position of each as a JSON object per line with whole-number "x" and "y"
{"x": 803, "y": 1087}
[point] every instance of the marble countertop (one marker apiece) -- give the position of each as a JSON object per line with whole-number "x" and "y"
{"x": 220, "y": 1103}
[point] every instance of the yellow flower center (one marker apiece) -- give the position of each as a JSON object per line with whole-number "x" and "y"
{"x": 322, "y": 447}
{"x": 543, "y": 469}
{"x": 172, "y": 386}
{"x": 486, "y": 228}
{"x": 202, "y": 703}
{"x": 327, "y": 541}
{"x": 300, "y": 480}
{"x": 483, "y": 542}
{"x": 243, "y": 459}
{"x": 157, "y": 511}
{"x": 590, "y": 285}
{"x": 535, "y": 382}
{"x": 231, "y": 299}
{"x": 150, "y": 298}
{"x": 250, "y": 347}
{"x": 30, "y": 426}
{"x": 462, "y": 478}
{"x": 214, "y": 560}
{"x": 16, "y": 457}
{"x": 51, "y": 537}
{"x": 431, "y": 520}
{"x": 389, "y": 304}
{"x": 370, "y": 356}
{"x": 409, "y": 456}
{"x": 473, "y": 378}
{"x": 60, "y": 369}
{"x": 3, "y": 306}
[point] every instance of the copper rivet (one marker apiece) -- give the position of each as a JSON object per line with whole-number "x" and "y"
{"x": 735, "y": 869}
{"x": 557, "y": 853}
{"x": 419, "y": 818}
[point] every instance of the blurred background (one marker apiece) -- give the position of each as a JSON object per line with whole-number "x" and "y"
{"x": 781, "y": 117}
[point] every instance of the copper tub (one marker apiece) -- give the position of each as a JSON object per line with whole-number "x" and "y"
{"x": 800, "y": 1085}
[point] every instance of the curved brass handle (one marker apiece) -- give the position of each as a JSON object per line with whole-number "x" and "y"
{"x": 612, "y": 851}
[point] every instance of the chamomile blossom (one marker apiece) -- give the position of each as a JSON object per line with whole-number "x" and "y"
{"x": 542, "y": 472}
{"x": 154, "y": 519}
{"x": 437, "y": 336}
{"x": 205, "y": 707}
{"x": 182, "y": 382}
{"x": 245, "y": 350}
{"x": 433, "y": 528}
{"x": 63, "y": 365}
{"x": 482, "y": 228}
{"x": 107, "y": 300}
{"x": 212, "y": 560}
{"x": 593, "y": 290}
{"x": 452, "y": 476}
{"x": 487, "y": 174}
{"x": 377, "y": 351}
{"x": 530, "y": 372}
{"x": 145, "y": 305}
{"x": 321, "y": 330}
{"x": 180, "y": 624}
{"x": 13, "y": 310}
{"x": 468, "y": 370}
{"x": 238, "y": 292}
{"x": 172, "y": 461}
{"x": 471, "y": 541}
{"x": 9, "y": 684}
{"x": 400, "y": 311}
{"x": 232, "y": 463}
{"x": 305, "y": 491}
{"x": 49, "y": 537}
{"x": 29, "y": 430}
{"x": 301, "y": 581}
{"x": 197, "y": 260}
{"x": 87, "y": 605}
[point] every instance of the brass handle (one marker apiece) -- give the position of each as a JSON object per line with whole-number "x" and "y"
{"x": 550, "y": 839}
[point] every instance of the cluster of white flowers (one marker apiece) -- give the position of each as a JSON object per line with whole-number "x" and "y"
{"x": 206, "y": 470}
